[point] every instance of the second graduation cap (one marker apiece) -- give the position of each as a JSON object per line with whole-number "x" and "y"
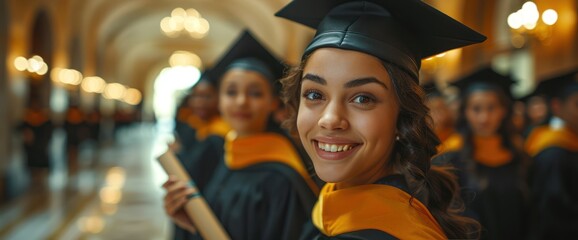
{"x": 483, "y": 78}
{"x": 248, "y": 53}
{"x": 561, "y": 85}
{"x": 401, "y": 32}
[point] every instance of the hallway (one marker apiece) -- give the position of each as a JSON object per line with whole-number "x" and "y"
{"x": 116, "y": 193}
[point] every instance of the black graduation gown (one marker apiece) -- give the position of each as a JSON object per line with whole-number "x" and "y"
{"x": 496, "y": 196}
{"x": 369, "y": 234}
{"x": 37, "y": 151}
{"x": 554, "y": 189}
{"x": 267, "y": 200}
{"x": 200, "y": 161}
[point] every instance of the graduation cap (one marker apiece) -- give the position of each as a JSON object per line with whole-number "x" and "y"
{"x": 559, "y": 86}
{"x": 206, "y": 77}
{"x": 401, "y": 32}
{"x": 248, "y": 53}
{"x": 484, "y": 78}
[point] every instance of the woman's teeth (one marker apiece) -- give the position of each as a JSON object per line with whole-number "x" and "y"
{"x": 334, "y": 147}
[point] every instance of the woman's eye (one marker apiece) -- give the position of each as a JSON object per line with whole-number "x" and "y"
{"x": 256, "y": 94}
{"x": 231, "y": 92}
{"x": 313, "y": 95}
{"x": 362, "y": 99}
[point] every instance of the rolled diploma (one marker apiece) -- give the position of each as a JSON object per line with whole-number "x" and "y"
{"x": 197, "y": 208}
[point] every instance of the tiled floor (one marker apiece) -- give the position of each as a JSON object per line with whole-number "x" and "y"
{"x": 115, "y": 195}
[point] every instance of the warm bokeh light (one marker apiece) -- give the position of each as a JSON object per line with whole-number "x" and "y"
{"x": 93, "y": 84}
{"x": 115, "y": 177}
{"x": 525, "y": 23}
{"x": 132, "y": 96}
{"x": 514, "y": 20}
{"x": 110, "y": 195}
{"x": 21, "y": 63}
{"x": 114, "y": 91}
{"x": 549, "y": 17}
{"x": 185, "y": 21}
{"x": 34, "y": 64}
{"x": 184, "y": 58}
{"x": 66, "y": 76}
{"x": 91, "y": 224}
{"x": 43, "y": 69}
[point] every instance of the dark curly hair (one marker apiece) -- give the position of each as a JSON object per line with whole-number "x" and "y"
{"x": 434, "y": 186}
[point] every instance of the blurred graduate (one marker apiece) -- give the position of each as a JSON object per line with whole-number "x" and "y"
{"x": 554, "y": 172}
{"x": 201, "y": 134}
{"x": 488, "y": 155}
{"x": 261, "y": 188}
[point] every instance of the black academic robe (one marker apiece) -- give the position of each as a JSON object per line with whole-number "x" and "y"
{"x": 495, "y": 196}
{"x": 554, "y": 184}
{"x": 369, "y": 234}
{"x": 37, "y": 151}
{"x": 265, "y": 200}
{"x": 200, "y": 161}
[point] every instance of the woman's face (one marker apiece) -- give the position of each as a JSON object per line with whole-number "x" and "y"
{"x": 204, "y": 101}
{"x": 568, "y": 111}
{"x": 484, "y": 113}
{"x": 246, "y": 101}
{"x": 347, "y": 116}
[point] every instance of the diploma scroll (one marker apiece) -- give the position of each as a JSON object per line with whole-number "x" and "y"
{"x": 197, "y": 208}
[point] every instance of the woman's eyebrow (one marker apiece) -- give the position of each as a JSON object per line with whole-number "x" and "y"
{"x": 353, "y": 83}
{"x": 315, "y": 78}
{"x": 362, "y": 81}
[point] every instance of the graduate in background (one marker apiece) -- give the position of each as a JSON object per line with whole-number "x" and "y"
{"x": 198, "y": 116}
{"x": 358, "y": 109}
{"x": 261, "y": 188}
{"x": 537, "y": 110}
{"x": 488, "y": 155}
{"x": 206, "y": 129}
{"x": 554, "y": 173}
{"x": 183, "y": 132}
{"x": 77, "y": 131}
{"x": 201, "y": 135}
{"x": 37, "y": 128}
{"x": 443, "y": 121}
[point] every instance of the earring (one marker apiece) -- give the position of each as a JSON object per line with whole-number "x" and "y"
{"x": 397, "y": 138}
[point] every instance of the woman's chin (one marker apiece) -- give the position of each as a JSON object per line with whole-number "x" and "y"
{"x": 329, "y": 175}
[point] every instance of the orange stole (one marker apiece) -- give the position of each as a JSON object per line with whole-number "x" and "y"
{"x": 216, "y": 126}
{"x": 74, "y": 116}
{"x": 374, "y": 206}
{"x": 487, "y": 150}
{"x": 545, "y": 137}
{"x": 35, "y": 117}
{"x": 243, "y": 152}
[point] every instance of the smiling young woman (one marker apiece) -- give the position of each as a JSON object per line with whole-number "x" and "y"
{"x": 358, "y": 110}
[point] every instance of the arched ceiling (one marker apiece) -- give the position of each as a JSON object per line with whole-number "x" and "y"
{"x": 122, "y": 40}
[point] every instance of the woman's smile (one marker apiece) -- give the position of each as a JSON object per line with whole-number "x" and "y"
{"x": 334, "y": 149}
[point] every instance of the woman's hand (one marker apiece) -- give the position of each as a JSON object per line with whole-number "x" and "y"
{"x": 175, "y": 200}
